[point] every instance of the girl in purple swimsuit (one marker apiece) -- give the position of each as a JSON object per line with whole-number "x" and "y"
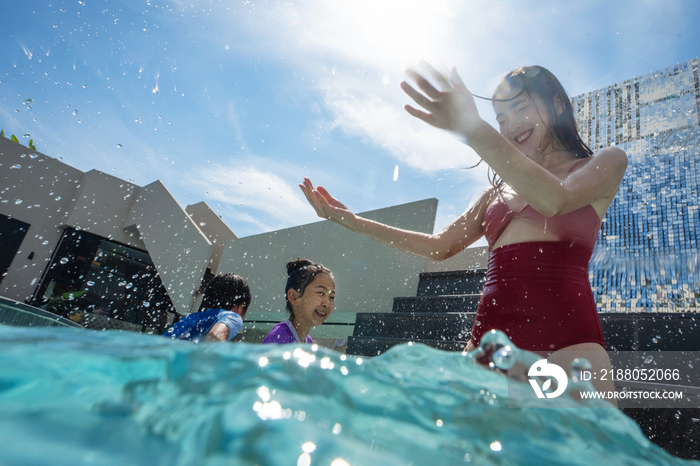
{"x": 310, "y": 294}
{"x": 541, "y": 215}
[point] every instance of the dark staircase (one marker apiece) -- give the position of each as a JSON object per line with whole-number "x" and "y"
{"x": 440, "y": 315}
{"x": 442, "y": 312}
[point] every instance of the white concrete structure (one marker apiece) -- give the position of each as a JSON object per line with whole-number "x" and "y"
{"x": 214, "y": 228}
{"x": 51, "y": 196}
{"x": 178, "y": 248}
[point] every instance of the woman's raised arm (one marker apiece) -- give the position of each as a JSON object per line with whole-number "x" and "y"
{"x": 458, "y": 235}
{"x": 452, "y": 108}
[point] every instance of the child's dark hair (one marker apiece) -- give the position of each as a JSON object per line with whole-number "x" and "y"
{"x": 226, "y": 291}
{"x": 301, "y": 272}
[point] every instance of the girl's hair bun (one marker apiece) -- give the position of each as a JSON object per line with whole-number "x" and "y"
{"x": 297, "y": 264}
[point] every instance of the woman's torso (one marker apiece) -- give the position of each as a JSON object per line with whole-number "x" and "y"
{"x": 509, "y": 219}
{"x": 503, "y": 223}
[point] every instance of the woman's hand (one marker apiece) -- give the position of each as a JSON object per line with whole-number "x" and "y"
{"x": 451, "y": 108}
{"x": 325, "y": 205}
{"x": 455, "y": 237}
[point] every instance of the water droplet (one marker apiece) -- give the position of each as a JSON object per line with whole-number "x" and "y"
{"x": 64, "y": 260}
{"x": 16, "y": 166}
{"x": 304, "y": 460}
{"x": 504, "y": 358}
{"x": 308, "y": 447}
{"x": 18, "y": 201}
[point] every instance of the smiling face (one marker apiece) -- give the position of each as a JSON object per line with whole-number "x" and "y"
{"x": 525, "y": 123}
{"x": 314, "y": 306}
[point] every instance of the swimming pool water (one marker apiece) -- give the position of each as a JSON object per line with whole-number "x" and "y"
{"x": 71, "y": 396}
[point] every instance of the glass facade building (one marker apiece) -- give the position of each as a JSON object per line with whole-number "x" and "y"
{"x": 646, "y": 258}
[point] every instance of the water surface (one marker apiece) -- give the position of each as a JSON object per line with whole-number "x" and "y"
{"x": 71, "y": 396}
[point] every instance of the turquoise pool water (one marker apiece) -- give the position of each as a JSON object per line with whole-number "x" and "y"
{"x": 70, "y": 396}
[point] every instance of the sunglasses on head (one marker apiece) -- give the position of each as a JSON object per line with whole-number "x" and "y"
{"x": 512, "y": 86}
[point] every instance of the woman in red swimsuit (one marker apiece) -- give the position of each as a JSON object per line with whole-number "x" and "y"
{"x": 540, "y": 216}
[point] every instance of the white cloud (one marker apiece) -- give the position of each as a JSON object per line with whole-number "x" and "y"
{"x": 244, "y": 192}
{"x": 341, "y": 44}
{"x": 385, "y": 123}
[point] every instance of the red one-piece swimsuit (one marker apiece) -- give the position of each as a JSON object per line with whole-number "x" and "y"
{"x": 538, "y": 293}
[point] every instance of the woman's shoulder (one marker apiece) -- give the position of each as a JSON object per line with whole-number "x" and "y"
{"x": 612, "y": 155}
{"x": 611, "y": 161}
{"x": 489, "y": 194}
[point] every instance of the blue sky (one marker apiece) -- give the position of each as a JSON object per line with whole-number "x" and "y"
{"x": 234, "y": 102}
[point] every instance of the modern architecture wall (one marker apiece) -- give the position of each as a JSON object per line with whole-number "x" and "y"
{"x": 177, "y": 246}
{"x": 52, "y": 197}
{"x": 214, "y": 228}
{"x": 646, "y": 258}
{"x": 56, "y": 200}
{"x": 41, "y": 191}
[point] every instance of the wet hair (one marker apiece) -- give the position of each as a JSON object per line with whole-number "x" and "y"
{"x": 226, "y": 291}
{"x": 300, "y": 273}
{"x": 539, "y": 81}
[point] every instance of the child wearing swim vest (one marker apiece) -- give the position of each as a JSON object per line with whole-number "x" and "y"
{"x": 310, "y": 294}
{"x": 220, "y": 317}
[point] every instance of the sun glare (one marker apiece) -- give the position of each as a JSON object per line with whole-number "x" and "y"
{"x": 380, "y": 33}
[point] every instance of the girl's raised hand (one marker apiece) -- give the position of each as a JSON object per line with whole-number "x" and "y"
{"x": 451, "y": 107}
{"x": 325, "y": 205}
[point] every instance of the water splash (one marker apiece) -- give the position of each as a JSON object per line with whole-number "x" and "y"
{"x": 68, "y": 394}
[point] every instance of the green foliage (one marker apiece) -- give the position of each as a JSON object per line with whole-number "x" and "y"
{"x": 61, "y": 304}
{"x": 14, "y": 138}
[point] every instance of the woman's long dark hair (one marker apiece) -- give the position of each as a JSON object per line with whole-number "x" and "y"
{"x": 539, "y": 81}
